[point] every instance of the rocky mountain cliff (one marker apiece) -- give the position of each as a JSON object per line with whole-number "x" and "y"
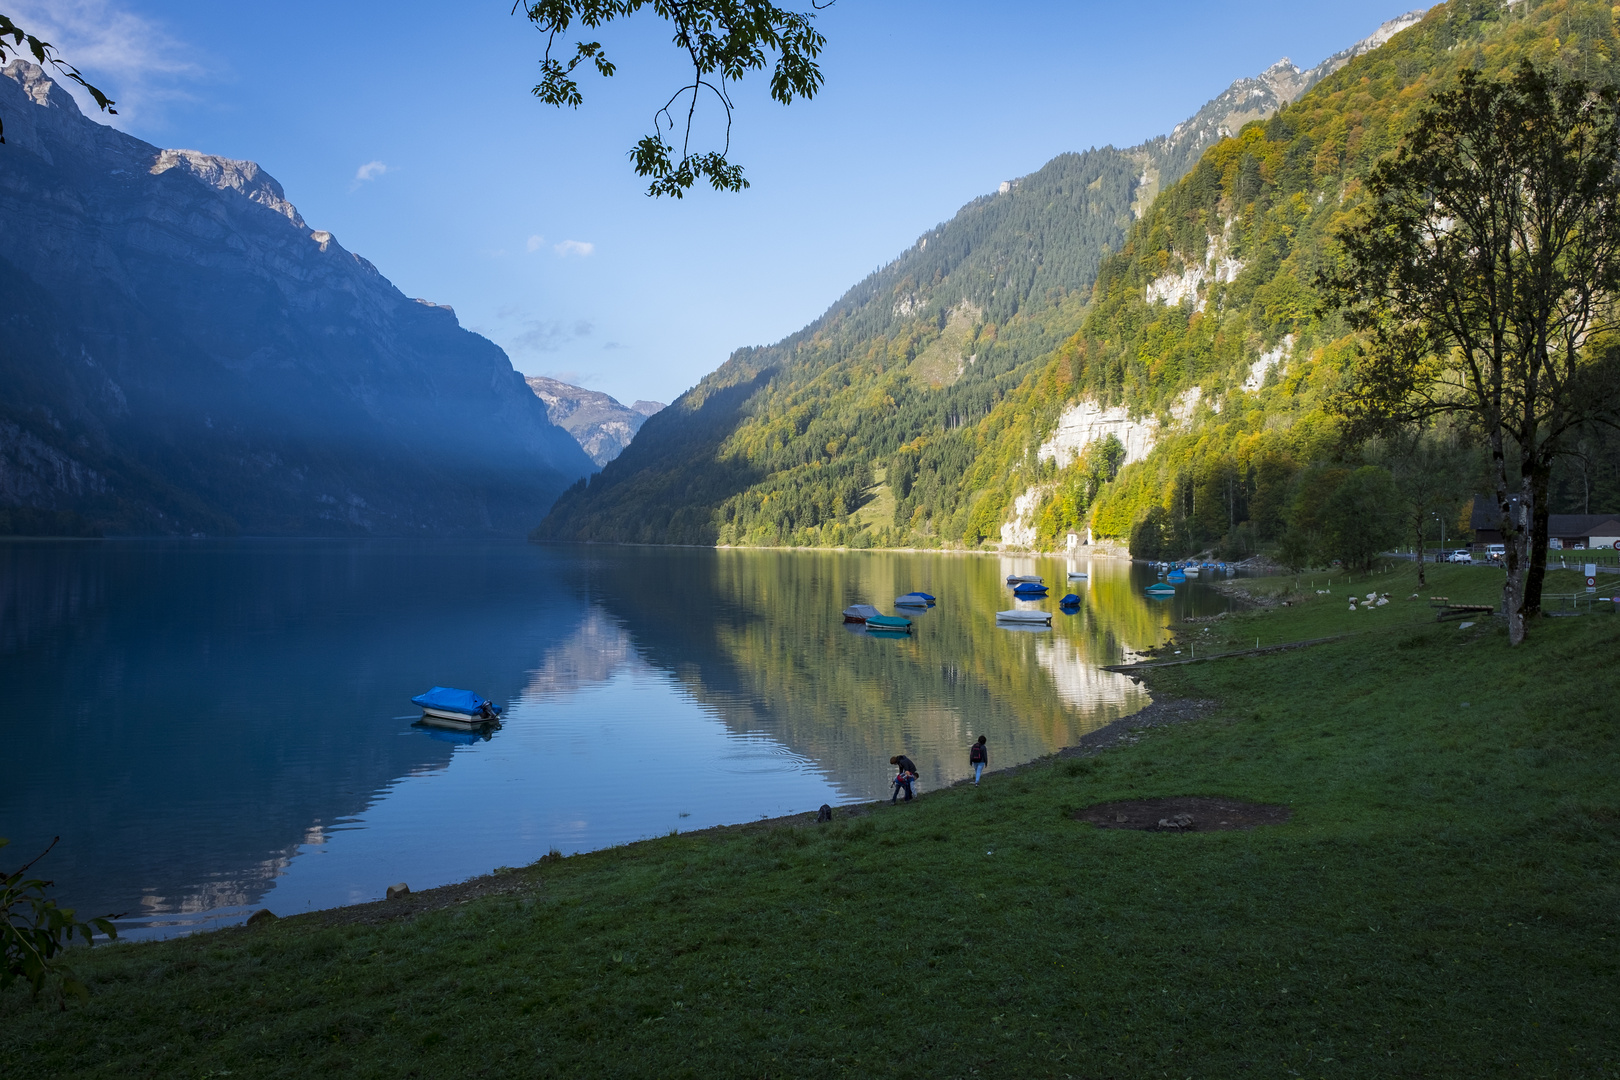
{"x": 840, "y": 433}
{"x": 180, "y": 353}
{"x": 601, "y": 426}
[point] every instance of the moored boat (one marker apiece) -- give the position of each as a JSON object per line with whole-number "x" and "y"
{"x": 1025, "y": 579}
{"x": 889, "y": 623}
{"x": 1175, "y": 577}
{"x": 1069, "y": 601}
{"x": 445, "y": 704}
{"x": 1028, "y": 591}
{"x": 1025, "y": 617}
{"x": 860, "y": 612}
{"x": 1159, "y": 588}
{"x": 914, "y": 600}
{"x": 1076, "y": 575}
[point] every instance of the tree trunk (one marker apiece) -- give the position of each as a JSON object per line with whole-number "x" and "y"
{"x": 1513, "y": 550}
{"x": 1537, "y": 483}
{"x": 1420, "y": 523}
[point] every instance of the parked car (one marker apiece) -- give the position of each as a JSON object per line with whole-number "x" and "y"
{"x": 1462, "y": 555}
{"x": 1495, "y": 552}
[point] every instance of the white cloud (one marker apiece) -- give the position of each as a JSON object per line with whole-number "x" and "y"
{"x": 130, "y": 58}
{"x": 581, "y": 248}
{"x": 535, "y": 242}
{"x": 369, "y": 171}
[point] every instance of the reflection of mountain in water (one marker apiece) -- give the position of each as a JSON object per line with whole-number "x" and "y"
{"x": 186, "y": 715}
{"x": 769, "y": 654}
{"x": 591, "y": 655}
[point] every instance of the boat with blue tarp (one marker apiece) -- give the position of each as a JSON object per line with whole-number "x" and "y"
{"x": 914, "y": 599}
{"x": 450, "y": 705}
{"x": 1069, "y": 601}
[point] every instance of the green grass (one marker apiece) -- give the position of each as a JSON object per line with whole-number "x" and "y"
{"x": 1443, "y": 903}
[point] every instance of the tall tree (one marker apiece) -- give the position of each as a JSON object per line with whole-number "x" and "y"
{"x": 1482, "y": 274}
{"x": 723, "y": 40}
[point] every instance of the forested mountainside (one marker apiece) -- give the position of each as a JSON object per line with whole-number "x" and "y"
{"x": 1204, "y": 338}
{"x": 795, "y": 442}
{"x": 599, "y": 423}
{"x": 181, "y": 353}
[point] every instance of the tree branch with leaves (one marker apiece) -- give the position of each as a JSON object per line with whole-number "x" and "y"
{"x": 723, "y": 39}
{"x": 35, "y": 932}
{"x": 13, "y": 40}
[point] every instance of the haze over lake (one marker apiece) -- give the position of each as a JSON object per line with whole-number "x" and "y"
{"x": 218, "y": 726}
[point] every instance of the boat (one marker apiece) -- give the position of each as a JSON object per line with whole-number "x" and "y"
{"x": 1025, "y": 579}
{"x": 1026, "y": 617}
{"x": 891, "y": 623}
{"x": 1069, "y": 601}
{"x": 1175, "y": 577}
{"x": 860, "y": 612}
{"x": 1076, "y": 575}
{"x": 448, "y": 705}
{"x": 915, "y": 600}
{"x": 1191, "y": 570}
{"x": 1159, "y": 588}
{"x": 1029, "y": 592}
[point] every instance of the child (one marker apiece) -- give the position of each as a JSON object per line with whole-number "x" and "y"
{"x": 978, "y": 757}
{"x": 903, "y": 778}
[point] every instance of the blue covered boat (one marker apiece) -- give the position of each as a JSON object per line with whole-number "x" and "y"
{"x": 456, "y": 706}
{"x": 1069, "y": 601}
{"x": 914, "y": 599}
{"x": 1029, "y": 591}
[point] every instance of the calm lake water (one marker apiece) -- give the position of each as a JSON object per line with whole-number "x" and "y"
{"x": 218, "y": 726}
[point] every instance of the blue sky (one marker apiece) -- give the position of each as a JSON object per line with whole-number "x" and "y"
{"x": 407, "y": 129}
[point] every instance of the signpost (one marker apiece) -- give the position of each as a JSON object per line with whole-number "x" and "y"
{"x": 1591, "y": 577}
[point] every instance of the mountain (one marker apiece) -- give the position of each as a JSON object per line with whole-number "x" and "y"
{"x": 180, "y": 352}
{"x": 865, "y": 427}
{"x": 601, "y": 426}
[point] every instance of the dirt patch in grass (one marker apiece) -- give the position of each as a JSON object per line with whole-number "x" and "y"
{"x": 1183, "y": 813}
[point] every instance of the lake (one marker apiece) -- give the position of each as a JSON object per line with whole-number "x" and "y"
{"x": 218, "y": 726}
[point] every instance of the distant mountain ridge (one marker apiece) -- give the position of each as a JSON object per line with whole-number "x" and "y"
{"x": 796, "y": 442}
{"x": 180, "y": 352}
{"x": 600, "y": 424}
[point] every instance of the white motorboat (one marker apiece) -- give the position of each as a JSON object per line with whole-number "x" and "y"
{"x": 1025, "y": 579}
{"x": 860, "y": 612}
{"x": 1026, "y": 617}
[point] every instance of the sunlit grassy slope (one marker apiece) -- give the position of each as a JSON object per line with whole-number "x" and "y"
{"x": 1443, "y": 903}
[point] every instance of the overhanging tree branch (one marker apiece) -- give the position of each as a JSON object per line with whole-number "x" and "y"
{"x": 44, "y": 53}
{"x": 723, "y": 39}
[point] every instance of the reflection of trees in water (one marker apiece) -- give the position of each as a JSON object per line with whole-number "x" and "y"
{"x": 44, "y": 586}
{"x": 758, "y": 636}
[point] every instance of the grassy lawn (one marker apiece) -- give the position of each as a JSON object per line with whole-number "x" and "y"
{"x": 1442, "y": 903}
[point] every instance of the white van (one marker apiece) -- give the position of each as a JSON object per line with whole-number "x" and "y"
{"x": 1495, "y": 552}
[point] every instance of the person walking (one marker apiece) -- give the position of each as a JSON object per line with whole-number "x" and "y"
{"x": 978, "y": 757}
{"x": 906, "y": 772}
